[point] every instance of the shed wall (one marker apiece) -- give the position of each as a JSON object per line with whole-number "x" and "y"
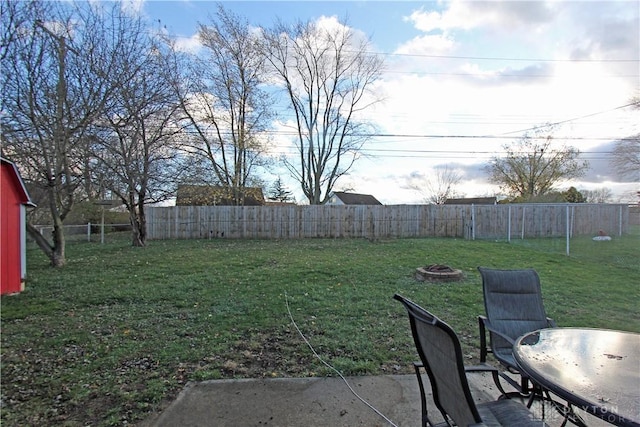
{"x": 11, "y": 236}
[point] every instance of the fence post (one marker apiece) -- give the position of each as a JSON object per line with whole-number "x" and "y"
{"x": 473, "y": 222}
{"x": 573, "y": 218}
{"x": 620, "y": 220}
{"x": 567, "y": 227}
{"x": 88, "y": 232}
{"x": 102, "y": 228}
{"x": 509, "y": 225}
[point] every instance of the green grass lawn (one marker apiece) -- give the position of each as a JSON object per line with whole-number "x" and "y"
{"x": 117, "y": 333}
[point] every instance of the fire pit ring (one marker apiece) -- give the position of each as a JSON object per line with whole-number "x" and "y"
{"x": 438, "y": 273}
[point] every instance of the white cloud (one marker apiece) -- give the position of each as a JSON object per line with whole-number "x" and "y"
{"x": 428, "y": 44}
{"x": 466, "y": 15}
{"x": 191, "y": 44}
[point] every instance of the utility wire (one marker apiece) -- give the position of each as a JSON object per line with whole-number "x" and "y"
{"x": 506, "y": 135}
{"x": 496, "y": 58}
{"x": 286, "y": 300}
{"x": 571, "y": 120}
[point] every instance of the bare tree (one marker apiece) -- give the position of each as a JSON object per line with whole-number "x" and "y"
{"x": 599, "y": 195}
{"x": 327, "y": 72}
{"x": 626, "y": 158}
{"x": 533, "y": 166}
{"x": 52, "y": 90}
{"x": 15, "y": 16}
{"x": 135, "y": 144}
{"x": 58, "y": 79}
{"x": 225, "y": 106}
{"x": 439, "y": 188}
{"x": 626, "y": 154}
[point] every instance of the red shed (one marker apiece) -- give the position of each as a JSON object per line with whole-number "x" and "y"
{"x": 13, "y": 201}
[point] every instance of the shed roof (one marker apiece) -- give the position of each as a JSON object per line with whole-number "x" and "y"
{"x": 17, "y": 181}
{"x": 356, "y": 199}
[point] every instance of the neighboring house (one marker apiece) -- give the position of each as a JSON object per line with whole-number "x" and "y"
{"x": 343, "y": 198}
{"x": 13, "y": 239}
{"x": 210, "y": 195}
{"x": 473, "y": 201}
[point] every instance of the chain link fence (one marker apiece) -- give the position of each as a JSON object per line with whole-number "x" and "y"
{"x": 97, "y": 233}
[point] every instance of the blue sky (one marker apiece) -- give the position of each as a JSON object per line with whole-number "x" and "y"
{"x": 471, "y": 68}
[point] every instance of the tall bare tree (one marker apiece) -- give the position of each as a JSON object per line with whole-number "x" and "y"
{"x": 437, "y": 188}
{"x": 135, "y": 143}
{"x": 52, "y": 90}
{"x": 225, "y": 107}
{"x": 626, "y": 154}
{"x": 16, "y": 15}
{"x": 533, "y": 165}
{"x": 598, "y": 195}
{"x": 57, "y": 80}
{"x": 327, "y": 72}
{"x": 626, "y": 158}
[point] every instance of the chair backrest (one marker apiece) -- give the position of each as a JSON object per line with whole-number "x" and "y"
{"x": 440, "y": 353}
{"x": 513, "y": 303}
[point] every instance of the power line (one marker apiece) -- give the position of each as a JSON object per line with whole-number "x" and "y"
{"x": 501, "y": 75}
{"x": 439, "y": 136}
{"x": 502, "y": 136}
{"x": 573, "y": 119}
{"x": 427, "y": 136}
{"x": 497, "y": 58}
{"x": 400, "y": 150}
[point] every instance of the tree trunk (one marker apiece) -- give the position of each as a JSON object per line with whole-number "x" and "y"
{"x": 40, "y": 240}
{"x": 138, "y": 225}
{"x": 137, "y": 238}
{"x": 58, "y": 259}
{"x": 55, "y": 253}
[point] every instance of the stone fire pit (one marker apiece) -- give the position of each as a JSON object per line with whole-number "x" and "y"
{"x": 438, "y": 273}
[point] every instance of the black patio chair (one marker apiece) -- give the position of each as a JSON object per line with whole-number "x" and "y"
{"x": 441, "y": 357}
{"x": 513, "y": 305}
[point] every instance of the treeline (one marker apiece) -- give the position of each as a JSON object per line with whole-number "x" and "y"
{"x": 98, "y": 103}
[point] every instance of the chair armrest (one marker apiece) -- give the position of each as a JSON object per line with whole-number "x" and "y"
{"x": 487, "y": 325}
{"x": 483, "y": 367}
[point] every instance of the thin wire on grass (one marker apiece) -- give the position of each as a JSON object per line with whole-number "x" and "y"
{"x": 295, "y": 325}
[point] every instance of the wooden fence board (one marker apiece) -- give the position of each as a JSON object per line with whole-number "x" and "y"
{"x": 374, "y": 222}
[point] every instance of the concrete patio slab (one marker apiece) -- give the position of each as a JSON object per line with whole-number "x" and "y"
{"x": 307, "y": 402}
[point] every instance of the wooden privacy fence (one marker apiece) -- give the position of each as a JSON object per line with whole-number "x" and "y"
{"x": 373, "y": 222}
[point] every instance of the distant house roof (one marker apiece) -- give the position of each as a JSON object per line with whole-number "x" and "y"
{"x": 276, "y": 203}
{"x": 212, "y": 195}
{"x": 472, "y": 201}
{"x": 343, "y": 198}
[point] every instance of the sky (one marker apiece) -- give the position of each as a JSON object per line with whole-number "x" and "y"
{"x": 464, "y": 78}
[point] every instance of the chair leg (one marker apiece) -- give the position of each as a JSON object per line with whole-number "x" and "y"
{"x": 566, "y": 411}
{"x": 532, "y": 398}
{"x": 423, "y": 396}
{"x": 496, "y": 380}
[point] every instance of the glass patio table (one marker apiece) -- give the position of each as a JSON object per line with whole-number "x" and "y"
{"x": 596, "y": 370}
